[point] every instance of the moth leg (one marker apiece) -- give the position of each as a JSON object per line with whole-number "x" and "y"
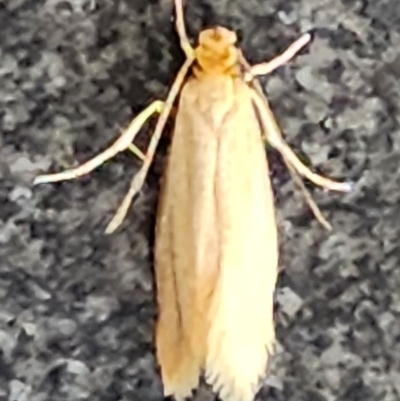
{"x": 289, "y": 53}
{"x": 293, "y": 173}
{"x": 122, "y": 143}
{"x": 274, "y": 137}
{"x": 309, "y": 199}
{"x": 181, "y": 29}
{"x": 138, "y": 179}
{"x": 137, "y": 152}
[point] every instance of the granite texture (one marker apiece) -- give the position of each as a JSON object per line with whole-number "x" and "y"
{"x": 77, "y": 307}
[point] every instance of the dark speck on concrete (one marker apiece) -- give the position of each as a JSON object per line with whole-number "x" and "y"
{"x": 77, "y": 307}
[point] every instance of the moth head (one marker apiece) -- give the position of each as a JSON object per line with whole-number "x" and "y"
{"x": 216, "y": 51}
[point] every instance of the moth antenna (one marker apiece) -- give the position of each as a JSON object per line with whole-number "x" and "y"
{"x": 138, "y": 179}
{"x": 181, "y": 30}
{"x": 295, "y": 176}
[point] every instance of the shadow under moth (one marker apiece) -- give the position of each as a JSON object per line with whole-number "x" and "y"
{"x": 216, "y": 246}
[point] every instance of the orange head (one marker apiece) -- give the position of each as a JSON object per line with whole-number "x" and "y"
{"x": 216, "y": 52}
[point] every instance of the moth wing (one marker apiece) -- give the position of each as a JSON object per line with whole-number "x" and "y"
{"x": 241, "y": 333}
{"x": 185, "y": 230}
{"x": 216, "y": 246}
{"x": 179, "y": 369}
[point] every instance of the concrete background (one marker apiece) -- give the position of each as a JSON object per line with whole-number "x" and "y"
{"x": 77, "y": 307}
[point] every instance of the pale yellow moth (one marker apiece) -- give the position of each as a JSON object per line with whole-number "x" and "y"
{"x": 216, "y": 251}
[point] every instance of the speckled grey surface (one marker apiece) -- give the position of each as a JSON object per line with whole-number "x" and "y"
{"x": 77, "y": 307}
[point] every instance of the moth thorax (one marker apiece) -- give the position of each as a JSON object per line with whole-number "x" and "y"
{"x": 216, "y": 52}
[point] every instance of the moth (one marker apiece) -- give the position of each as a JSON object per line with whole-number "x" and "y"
{"x": 216, "y": 246}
